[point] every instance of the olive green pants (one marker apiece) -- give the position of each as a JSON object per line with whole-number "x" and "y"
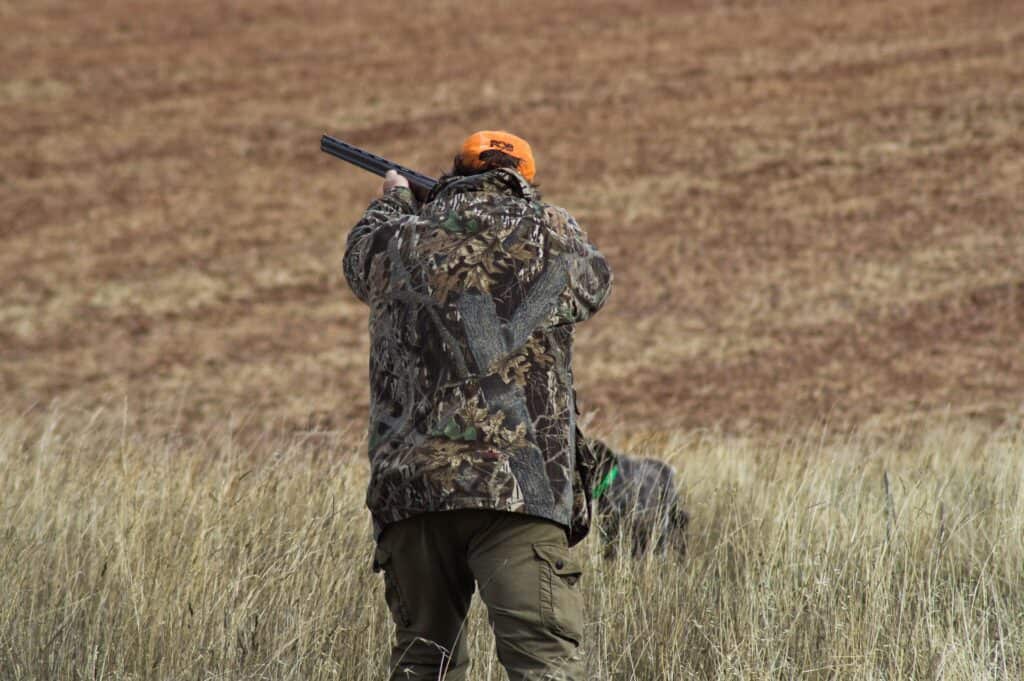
{"x": 527, "y": 579}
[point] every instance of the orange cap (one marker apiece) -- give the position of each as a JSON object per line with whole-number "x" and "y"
{"x": 498, "y": 140}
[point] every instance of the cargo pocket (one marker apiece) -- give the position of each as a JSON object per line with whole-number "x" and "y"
{"x": 392, "y": 590}
{"x": 561, "y": 596}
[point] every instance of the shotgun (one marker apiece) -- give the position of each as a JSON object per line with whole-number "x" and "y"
{"x": 418, "y": 182}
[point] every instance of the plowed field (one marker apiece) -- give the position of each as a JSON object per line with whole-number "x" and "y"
{"x": 813, "y": 210}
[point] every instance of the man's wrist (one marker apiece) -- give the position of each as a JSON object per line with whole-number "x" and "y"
{"x": 403, "y": 193}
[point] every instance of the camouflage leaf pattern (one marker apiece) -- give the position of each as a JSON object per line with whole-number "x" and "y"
{"x": 473, "y": 298}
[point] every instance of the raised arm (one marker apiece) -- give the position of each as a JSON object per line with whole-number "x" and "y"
{"x": 589, "y": 279}
{"x": 372, "y": 233}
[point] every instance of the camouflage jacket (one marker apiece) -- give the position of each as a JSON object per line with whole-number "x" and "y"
{"x": 473, "y": 297}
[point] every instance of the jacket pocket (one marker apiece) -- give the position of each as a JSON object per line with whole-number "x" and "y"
{"x": 392, "y": 590}
{"x": 561, "y": 596}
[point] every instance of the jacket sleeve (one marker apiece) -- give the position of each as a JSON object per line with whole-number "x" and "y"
{"x": 371, "y": 234}
{"x": 588, "y": 277}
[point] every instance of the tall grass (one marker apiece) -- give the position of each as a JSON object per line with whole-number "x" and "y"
{"x": 136, "y": 556}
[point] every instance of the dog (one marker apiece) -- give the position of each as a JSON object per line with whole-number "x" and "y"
{"x": 641, "y": 498}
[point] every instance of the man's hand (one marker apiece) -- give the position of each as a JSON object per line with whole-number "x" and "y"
{"x": 393, "y": 179}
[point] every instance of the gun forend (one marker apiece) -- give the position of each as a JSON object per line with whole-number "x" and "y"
{"x": 418, "y": 182}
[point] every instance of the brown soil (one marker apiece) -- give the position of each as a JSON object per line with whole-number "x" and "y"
{"x": 813, "y": 210}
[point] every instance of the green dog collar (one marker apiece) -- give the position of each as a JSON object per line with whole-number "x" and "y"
{"x": 603, "y": 486}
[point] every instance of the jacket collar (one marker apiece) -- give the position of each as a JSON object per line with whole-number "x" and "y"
{"x": 500, "y": 180}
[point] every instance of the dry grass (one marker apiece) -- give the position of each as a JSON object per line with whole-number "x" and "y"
{"x": 129, "y": 556}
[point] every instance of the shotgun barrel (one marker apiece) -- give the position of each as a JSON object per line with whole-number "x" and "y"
{"x": 418, "y": 182}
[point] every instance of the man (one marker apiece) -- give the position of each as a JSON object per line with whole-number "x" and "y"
{"x": 475, "y": 477}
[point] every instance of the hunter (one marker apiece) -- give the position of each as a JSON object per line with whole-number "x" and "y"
{"x": 476, "y": 476}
